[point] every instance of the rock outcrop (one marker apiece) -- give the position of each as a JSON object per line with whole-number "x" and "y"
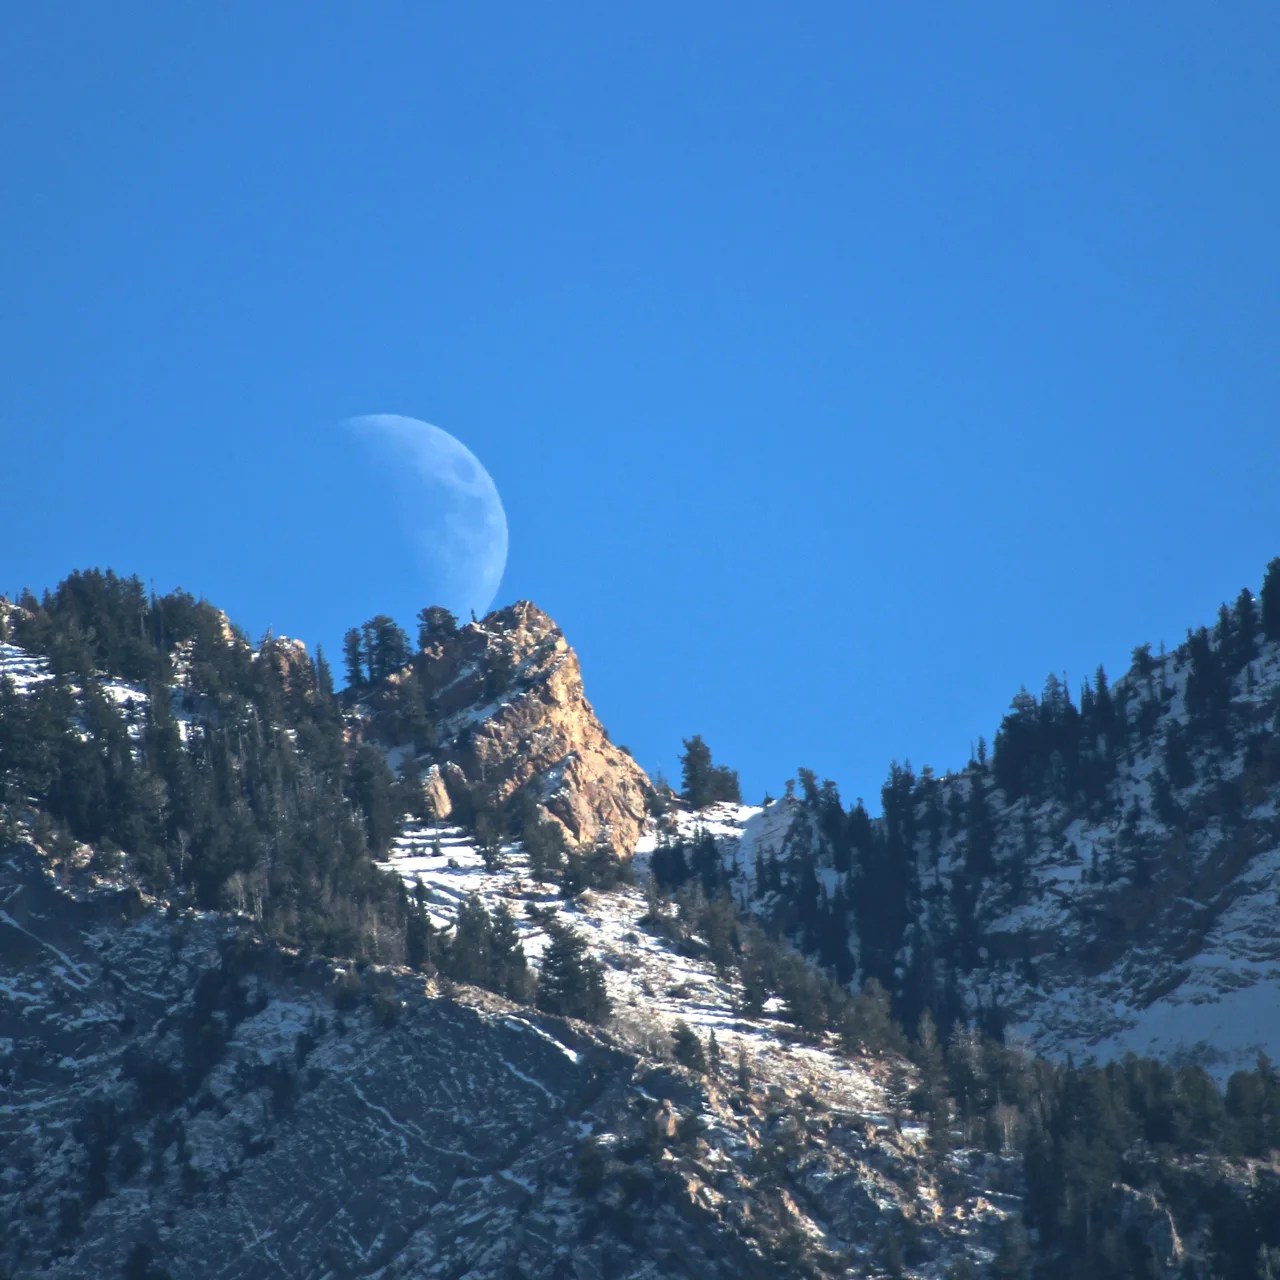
{"x": 510, "y": 714}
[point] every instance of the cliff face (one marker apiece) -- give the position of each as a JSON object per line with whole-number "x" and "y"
{"x": 510, "y": 714}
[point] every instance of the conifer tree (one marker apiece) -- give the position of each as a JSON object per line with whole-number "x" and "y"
{"x": 687, "y": 1048}
{"x": 419, "y": 937}
{"x": 470, "y": 951}
{"x": 386, "y": 647}
{"x": 544, "y": 846}
{"x": 509, "y": 972}
{"x": 1244, "y": 626}
{"x": 1270, "y": 613}
{"x": 352, "y": 658}
{"x": 571, "y": 981}
{"x": 435, "y": 623}
{"x": 704, "y": 782}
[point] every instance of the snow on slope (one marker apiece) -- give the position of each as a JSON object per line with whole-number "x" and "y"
{"x": 744, "y": 832}
{"x": 1203, "y": 984}
{"x": 23, "y": 668}
{"x": 1084, "y": 958}
{"x": 29, "y": 670}
{"x": 652, "y": 986}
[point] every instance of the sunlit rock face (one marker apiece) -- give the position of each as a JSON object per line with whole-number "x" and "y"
{"x": 513, "y": 714}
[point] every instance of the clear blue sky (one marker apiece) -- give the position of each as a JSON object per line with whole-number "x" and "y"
{"x": 841, "y": 369}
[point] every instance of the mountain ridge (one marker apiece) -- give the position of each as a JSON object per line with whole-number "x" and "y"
{"x": 214, "y": 824}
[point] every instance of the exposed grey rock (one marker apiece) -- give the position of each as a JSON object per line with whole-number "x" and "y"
{"x": 179, "y": 1091}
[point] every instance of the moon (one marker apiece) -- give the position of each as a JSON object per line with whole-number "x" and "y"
{"x": 451, "y": 511}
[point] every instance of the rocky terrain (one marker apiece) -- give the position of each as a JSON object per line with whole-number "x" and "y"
{"x": 228, "y": 1050}
{"x": 183, "y": 1099}
{"x": 508, "y": 714}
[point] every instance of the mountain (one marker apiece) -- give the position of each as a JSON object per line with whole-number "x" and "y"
{"x": 499, "y": 707}
{"x": 426, "y": 978}
{"x": 1104, "y": 883}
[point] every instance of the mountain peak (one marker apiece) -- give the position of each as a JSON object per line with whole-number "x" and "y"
{"x": 506, "y": 699}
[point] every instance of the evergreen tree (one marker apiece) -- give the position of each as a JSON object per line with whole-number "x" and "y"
{"x": 1244, "y": 626}
{"x": 687, "y": 1048}
{"x": 887, "y": 877}
{"x": 669, "y": 865}
{"x": 1208, "y": 681}
{"x": 706, "y": 783}
{"x": 1270, "y": 612}
{"x": 470, "y": 949}
{"x": 488, "y": 834}
{"x": 571, "y": 981}
{"x": 324, "y": 677}
{"x": 508, "y": 971}
{"x": 544, "y": 845}
{"x": 1017, "y": 747}
{"x": 979, "y": 841}
{"x": 435, "y": 623}
{"x": 353, "y": 658}
{"x": 420, "y": 945}
{"x": 386, "y": 647}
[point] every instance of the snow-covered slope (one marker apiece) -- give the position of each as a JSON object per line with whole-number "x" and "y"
{"x": 651, "y": 984}
{"x": 1148, "y": 921}
{"x": 1141, "y": 933}
{"x": 23, "y": 668}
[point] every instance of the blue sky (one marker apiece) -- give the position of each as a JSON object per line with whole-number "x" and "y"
{"x": 841, "y": 370}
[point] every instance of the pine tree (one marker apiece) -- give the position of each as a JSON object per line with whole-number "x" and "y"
{"x": 435, "y": 623}
{"x": 509, "y": 972}
{"x": 470, "y": 951}
{"x": 979, "y": 842}
{"x": 488, "y": 834}
{"x": 353, "y": 659}
{"x": 755, "y": 986}
{"x": 544, "y": 846}
{"x": 704, "y": 782}
{"x": 1245, "y": 629}
{"x": 386, "y": 647}
{"x": 419, "y": 937}
{"x": 1271, "y": 601}
{"x": 324, "y": 676}
{"x": 687, "y": 1048}
{"x": 571, "y": 982}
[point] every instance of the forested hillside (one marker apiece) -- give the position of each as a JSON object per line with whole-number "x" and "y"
{"x": 1103, "y": 871}
{"x": 154, "y": 729}
{"x": 849, "y": 1003}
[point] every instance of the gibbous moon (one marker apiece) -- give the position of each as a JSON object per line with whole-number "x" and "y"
{"x": 452, "y": 513}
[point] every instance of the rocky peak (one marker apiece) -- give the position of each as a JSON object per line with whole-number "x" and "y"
{"x": 288, "y": 658}
{"x": 509, "y": 713}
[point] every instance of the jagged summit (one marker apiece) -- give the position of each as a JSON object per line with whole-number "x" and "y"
{"x": 498, "y": 705}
